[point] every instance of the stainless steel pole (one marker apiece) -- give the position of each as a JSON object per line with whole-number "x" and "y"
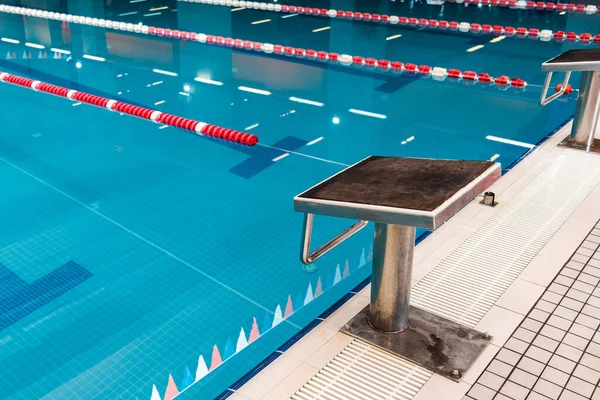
{"x": 393, "y": 251}
{"x": 585, "y": 120}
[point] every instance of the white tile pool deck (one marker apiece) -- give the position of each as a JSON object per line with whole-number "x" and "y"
{"x": 573, "y": 179}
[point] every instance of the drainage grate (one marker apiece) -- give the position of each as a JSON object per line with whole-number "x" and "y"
{"x": 363, "y": 372}
{"x": 467, "y": 283}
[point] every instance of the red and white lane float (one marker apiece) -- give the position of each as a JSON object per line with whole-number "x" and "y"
{"x": 351, "y": 61}
{"x": 531, "y": 5}
{"x": 199, "y": 128}
{"x": 464, "y": 27}
{"x": 520, "y": 4}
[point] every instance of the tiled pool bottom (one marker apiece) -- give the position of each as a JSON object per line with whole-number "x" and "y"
{"x": 155, "y": 309}
{"x": 114, "y": 306}
{"x": 68, "y": 281}
{"x": 125, "y": 307}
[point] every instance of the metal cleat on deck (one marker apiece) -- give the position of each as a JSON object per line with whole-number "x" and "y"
{"x": 399, "y": 195}
{"x": 585, "y": 134}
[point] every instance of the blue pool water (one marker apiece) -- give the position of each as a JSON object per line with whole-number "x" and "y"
{"x": 129, "y": 251}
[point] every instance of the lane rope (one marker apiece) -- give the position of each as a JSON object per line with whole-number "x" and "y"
{"x": 532, "y": 5}
{"x": 190, "y": 125}
{"x": 346, "y": 60}
{"x": 544, "y": 35}
{"x": 514, "y": 4}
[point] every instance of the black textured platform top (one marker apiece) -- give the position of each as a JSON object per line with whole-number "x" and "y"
{"x": 572, "y": 56}
{"x": 408, "y": 183}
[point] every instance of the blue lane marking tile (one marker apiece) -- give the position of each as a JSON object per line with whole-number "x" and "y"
{"x": 20, "y": 299}
{"x": 262, "y": 157}
{"x": 395, "y": 84}
{"x": 475, "y": 40}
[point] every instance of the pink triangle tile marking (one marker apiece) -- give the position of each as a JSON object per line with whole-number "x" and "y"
{"x": 319, "y": 288}
{"x": 172, "y": 390}
{"x": 216, "y": 358}
{"x": 254, "y": 333}
{"x": 289, "y": 308}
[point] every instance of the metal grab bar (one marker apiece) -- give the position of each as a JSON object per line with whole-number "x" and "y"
{"x": 307, "y": 257}
{"x": 543, "y": 99}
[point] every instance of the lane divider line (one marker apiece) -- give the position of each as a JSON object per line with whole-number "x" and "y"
{"x": 510, "y": 141}
{"x": 346, "y": 60}
{"x": 544, "y": 35}
{"x": 190, "y": 125}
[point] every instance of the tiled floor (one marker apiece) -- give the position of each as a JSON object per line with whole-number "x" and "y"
{"x": 555, "y": 352}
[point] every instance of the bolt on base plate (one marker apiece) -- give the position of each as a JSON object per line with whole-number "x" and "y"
{"x": 433, "y": 342}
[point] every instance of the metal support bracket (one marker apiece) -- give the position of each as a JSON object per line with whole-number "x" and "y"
{"x": 308, "y": 257}
{"x": 545, "y": 100}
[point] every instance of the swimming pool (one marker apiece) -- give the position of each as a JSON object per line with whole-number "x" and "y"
{"x": 140, "y": 261}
